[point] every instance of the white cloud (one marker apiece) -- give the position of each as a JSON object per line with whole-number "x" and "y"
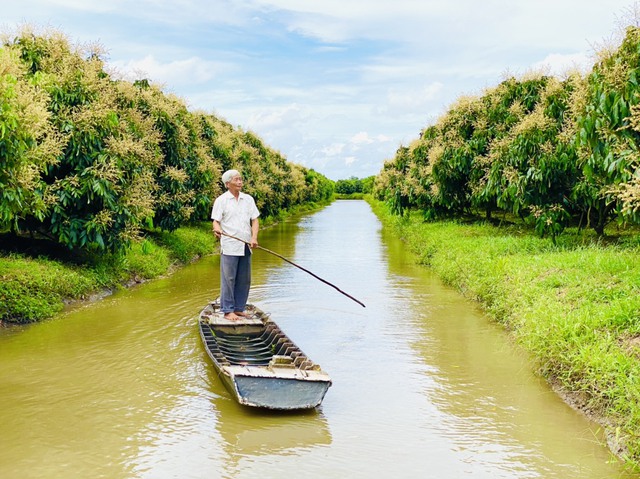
{"x": 276, "y": 118}
{"x": 190, "y": 71}
{"x": 334, "y": 149}
{"x": 361, "y": 137}
{"x": 466, "y": 23}
{"x": 412, "y": 99}
{"x": 97, "y": 7}
{"x": 558, "y": 65}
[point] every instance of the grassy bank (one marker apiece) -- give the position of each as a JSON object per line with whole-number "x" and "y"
{"x": 574, "y": 306}
{"x": 37, "y": 280}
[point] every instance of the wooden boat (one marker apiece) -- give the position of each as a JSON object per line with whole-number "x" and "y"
{"x": 258, "y": 363}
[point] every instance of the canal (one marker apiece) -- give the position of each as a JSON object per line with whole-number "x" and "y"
{"x": 424, "y": 385}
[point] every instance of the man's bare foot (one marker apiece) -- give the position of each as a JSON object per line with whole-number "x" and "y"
{"x": 231, "y": 316}
{"x": 241, "y": 313}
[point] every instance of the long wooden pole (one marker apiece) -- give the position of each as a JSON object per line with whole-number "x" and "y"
{"x": 297, "y": 266}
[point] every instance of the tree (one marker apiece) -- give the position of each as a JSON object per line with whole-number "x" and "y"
{"x": 607, "y": 136}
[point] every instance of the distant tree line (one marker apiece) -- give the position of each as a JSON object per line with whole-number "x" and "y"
{"x": 90, "y": 161}
{"x": 354, "y": 185}
{"x": 554, "y": 152}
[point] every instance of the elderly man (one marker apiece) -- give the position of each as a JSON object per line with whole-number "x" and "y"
{"x": 235, "y": 213}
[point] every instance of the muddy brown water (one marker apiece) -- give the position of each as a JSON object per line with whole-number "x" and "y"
{"x": 424, "y": 385}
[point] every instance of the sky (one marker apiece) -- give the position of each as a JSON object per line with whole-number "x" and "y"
{"x": 333, "y": 85}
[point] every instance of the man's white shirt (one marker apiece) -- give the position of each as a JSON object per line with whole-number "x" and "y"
{"x": 235, "y": 218}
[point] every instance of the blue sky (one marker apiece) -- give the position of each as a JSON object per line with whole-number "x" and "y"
{"x": 334, "y": 85}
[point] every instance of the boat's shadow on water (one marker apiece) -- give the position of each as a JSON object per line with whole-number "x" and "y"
{"x": 249, "y": 432}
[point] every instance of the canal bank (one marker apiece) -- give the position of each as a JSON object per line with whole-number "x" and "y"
{"x": 574, "y": 306}
{"x": 38, "y": 279}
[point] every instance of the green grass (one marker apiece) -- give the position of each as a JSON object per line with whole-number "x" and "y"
{"x": 574, "y": 306}
{"x": 187, "y": 244}
{"x": 33, "y": 288}
{"x": 36, "y": 288}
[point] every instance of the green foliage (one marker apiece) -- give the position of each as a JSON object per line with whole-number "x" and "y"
{"x": 27, "y": 143}
{"x": 92, "y": 162}
{"x": 550, "y": 220}
{"x": 352, "y": 185}
{"x": 551, "y": 152}
{"x": 145, "y": 260}
{"x": 451, "y": 148}
{"x": 533, "y": 167}
{"x": 607, "y": 135}
{"x": 367, "y": 184}
{"x": 34, "y": 289}
{"x": 318, "y": 188}
{"x": 391, "y": 185}
{"x": 187, "y": 243}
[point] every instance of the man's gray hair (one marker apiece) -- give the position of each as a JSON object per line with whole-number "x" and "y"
{"x": 228, "y": 175}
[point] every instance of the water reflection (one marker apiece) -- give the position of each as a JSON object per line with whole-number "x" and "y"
{"x": 275, "y": 434}
{"x": 485, "y": 400}
{"x": 251, "y": 435}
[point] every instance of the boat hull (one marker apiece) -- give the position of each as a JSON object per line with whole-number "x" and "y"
{"x": 259, "y": 364}
{"x": 279, "y": 393}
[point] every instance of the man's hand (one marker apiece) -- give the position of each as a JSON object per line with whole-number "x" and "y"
{"x": 216, "y": 229}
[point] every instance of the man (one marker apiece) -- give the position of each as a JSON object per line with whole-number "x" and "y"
{"x": 235, "y": 213}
